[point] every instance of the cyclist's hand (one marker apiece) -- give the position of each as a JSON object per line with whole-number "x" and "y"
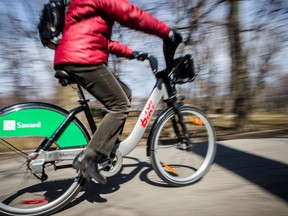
{"x": 173, "y": 39}
{"x": 139, "y": 56}
{"x": 134, "y": 55}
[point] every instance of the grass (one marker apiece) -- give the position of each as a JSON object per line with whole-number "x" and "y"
{"x": 269, "y": 121}
{"x": 262, "y": 121}
{"x": 258, "y": 122}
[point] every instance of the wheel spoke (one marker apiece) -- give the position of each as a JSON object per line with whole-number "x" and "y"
{"x": 32, "y": 192}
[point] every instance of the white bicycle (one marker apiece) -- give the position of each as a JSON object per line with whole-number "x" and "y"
{"x": 39, "y": 142}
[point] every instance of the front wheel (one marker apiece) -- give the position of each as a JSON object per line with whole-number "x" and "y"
{"x": 177, "y": 159}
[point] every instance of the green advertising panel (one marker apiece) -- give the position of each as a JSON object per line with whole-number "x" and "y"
{"x": 39, "y": 122}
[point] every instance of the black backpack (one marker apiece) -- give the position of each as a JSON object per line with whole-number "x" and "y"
{"x": 52, "y": 18}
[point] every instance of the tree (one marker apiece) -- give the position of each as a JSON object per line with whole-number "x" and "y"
{"x": 253, "y": 43}
{"x": 267, "y": 39}
{"x": 239, "y": 86}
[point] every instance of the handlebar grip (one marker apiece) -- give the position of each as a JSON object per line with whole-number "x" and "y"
{"x": 152, "y": 60}
{"x": 142, "y": 56}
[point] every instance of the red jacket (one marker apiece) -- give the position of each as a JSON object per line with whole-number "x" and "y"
{"x": 88, "y": 28}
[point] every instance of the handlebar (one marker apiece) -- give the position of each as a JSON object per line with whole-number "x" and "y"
{"x": 152, "y": 60}
{"x": 169, "y": 52}
{"x": 153, "y": 63}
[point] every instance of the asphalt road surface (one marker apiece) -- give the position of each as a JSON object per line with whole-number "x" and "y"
{"x": 249, "y": 177}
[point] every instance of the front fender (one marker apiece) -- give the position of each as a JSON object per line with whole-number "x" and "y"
{"x": 155, "y": 124}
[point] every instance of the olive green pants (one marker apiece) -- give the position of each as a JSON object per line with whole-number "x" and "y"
{"x": 113, "y": 94}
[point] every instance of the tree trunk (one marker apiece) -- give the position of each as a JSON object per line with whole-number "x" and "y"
{"x": 239, "y": 88}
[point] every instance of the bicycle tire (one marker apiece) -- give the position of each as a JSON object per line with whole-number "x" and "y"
{"x": 22, "y": 193}
{"x": 174, "y": 161}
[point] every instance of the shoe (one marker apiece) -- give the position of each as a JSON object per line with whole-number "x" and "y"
{"x": 89, "y": 165}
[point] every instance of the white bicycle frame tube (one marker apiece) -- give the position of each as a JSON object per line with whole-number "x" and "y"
{"x": 159, "y": 92}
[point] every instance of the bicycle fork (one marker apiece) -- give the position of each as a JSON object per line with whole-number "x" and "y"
{"x": 183, "y": 135}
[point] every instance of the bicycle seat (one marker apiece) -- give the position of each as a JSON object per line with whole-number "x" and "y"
{"x": 64, "y": 78}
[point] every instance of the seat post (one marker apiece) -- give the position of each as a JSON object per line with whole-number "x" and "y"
{"x": 84, "y": 103}
{"x": 80, "y": 93}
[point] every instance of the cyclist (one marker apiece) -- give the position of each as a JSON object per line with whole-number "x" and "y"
{"x": 83, "y": 53}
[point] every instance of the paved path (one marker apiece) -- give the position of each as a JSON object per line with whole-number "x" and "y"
{"x": 249, "y": 177}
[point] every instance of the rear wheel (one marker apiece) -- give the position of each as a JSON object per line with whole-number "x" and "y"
{"x": 175, "y": 160}
{"x": 44, "y": 187}
{"x": 24, "y": 193}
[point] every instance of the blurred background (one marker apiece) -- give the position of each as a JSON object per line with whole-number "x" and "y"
{"x": 239, "y": 49}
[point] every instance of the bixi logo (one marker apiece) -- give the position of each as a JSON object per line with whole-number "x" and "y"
{"x": 148, "y": 114}
{"x": 9, "y": 125}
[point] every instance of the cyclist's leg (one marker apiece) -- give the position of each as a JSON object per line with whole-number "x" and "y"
{"x": 114, "y": 95}
{"x": 125, "y": 89}
{"x": 102, "y": 84}
{"x": 128, "y": 94}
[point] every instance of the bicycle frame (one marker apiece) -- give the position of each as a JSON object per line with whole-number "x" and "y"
{"x": 159, "y": 91}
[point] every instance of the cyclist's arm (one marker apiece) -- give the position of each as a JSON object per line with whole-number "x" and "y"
{"x": 119, "y": 49}
{"x": 133, "y": 17}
